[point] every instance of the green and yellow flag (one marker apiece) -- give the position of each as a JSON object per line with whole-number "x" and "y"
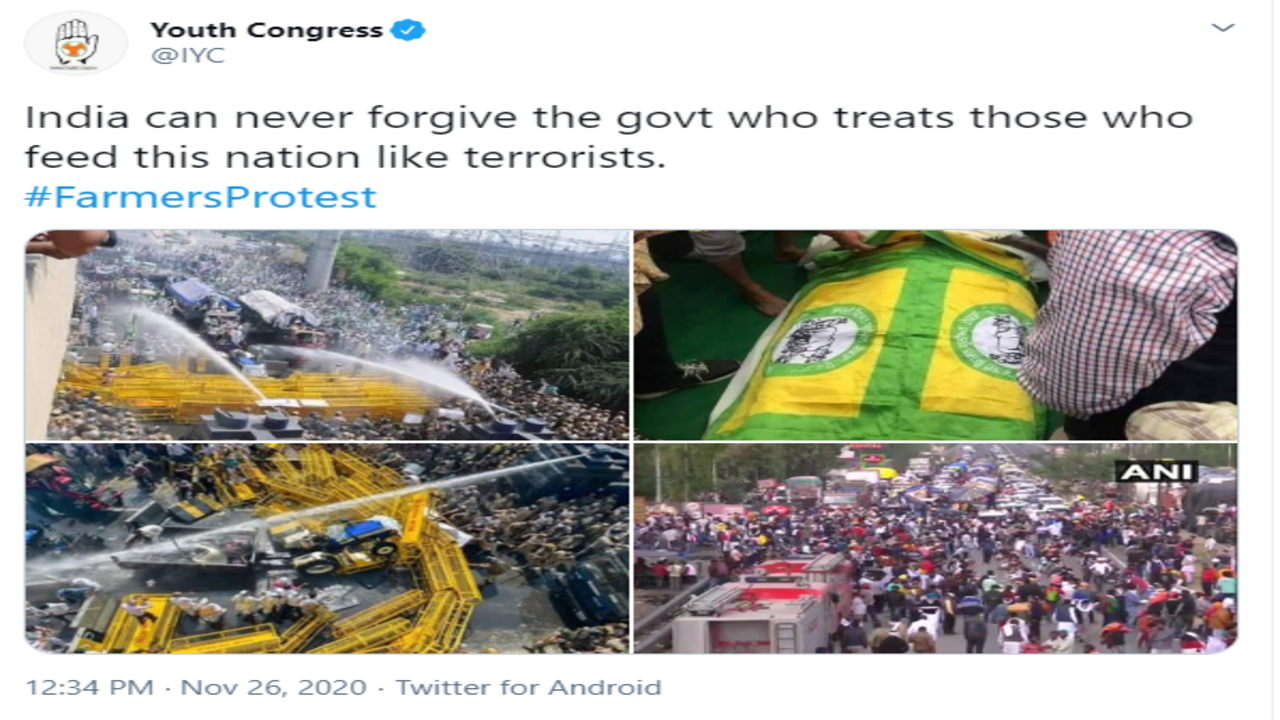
{"x": 920, "y": 339}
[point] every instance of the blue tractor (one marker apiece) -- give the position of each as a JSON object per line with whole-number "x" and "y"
{"x": 351, "y": 547}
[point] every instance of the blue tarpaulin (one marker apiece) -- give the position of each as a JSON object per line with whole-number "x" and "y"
{"x": 191, "y": 292}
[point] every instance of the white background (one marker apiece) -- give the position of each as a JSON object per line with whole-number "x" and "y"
{"x": 665, "y": 55}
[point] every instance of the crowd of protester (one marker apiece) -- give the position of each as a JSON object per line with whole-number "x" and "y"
{"x": 1105, "y": 576}
{"x": 539, "y": 533}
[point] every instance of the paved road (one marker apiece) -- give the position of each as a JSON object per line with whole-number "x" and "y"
{"x": 955, "y": 644}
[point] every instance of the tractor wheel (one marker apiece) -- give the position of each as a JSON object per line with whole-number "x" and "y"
{"x": 319, "y": 567}
{"x": 385, "y": 549}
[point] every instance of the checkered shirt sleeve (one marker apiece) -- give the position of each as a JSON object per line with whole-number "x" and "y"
{"x": 1123, "y": 306}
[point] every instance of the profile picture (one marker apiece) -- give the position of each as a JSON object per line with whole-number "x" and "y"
{"x": 76, "y": 43}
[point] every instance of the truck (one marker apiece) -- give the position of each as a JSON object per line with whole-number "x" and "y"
{"x": 232, "y": 553}
{"x": 851, "y": 487}
{"x": 274, "y": 320}
{"x": 594, "y": 591}
{"x": 193, "y": 301}
{"x": 920, "y": 466}
{"x": 804, "y": 490}
{"x": 342, "y": 548}
{"x": 790, "y": 617}
{"x": 828, "y": 569}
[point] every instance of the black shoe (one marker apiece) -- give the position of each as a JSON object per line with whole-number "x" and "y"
{"x": 692, "y": 374}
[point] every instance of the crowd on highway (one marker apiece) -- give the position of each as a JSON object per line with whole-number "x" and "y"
{"x": 353, "y": 324}
{"x": 1107, "y": 575}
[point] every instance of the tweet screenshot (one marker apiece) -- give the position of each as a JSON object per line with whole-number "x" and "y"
{"x": 347, "y": 332}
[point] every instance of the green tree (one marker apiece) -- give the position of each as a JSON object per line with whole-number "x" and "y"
{"x": 370, "y": 269}
{"x": 732, "y": 469}
{"x": 687, "y": 470}
{"x": 583, "y": 272}
{"x": 584, "y": 354}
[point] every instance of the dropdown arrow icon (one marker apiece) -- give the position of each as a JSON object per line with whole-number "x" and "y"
{"x": 1224, "y": 29}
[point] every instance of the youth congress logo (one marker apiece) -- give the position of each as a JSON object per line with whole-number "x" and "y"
{"x": 79, "y": 43}
{"x": 992, "y": 339}
{"x": 823, "y": 339}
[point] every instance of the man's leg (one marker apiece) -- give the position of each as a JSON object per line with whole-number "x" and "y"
{"x": 761, "y": 299}
{"x": 784, "y": 246}
{"x": 723, "y": 251}
{"x": 656, "y": 373}
{"x": 654, "y": 366}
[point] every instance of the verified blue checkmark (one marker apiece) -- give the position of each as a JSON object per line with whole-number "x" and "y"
{"x": 408, "y": 30}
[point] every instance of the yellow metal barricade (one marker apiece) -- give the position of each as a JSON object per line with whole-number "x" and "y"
{"x": 305, "y": 630}
{"x": 400, "y": 605}
{"x": 180, "y": 395}
{"x": 128, "y": 634}
{"x": 376, "y": 637}
{"x": 247, "y": 639}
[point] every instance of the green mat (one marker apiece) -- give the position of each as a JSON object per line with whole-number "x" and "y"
{"x": 706, "y": 318}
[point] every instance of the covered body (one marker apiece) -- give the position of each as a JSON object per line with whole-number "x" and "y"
{"x": 919, "y": 339}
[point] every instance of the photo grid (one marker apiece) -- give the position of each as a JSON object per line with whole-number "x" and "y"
{"x": 421, "y": 441}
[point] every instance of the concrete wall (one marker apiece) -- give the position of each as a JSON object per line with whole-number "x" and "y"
{"x": 320, "y": 261}
{"x": 50, "y": 295}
